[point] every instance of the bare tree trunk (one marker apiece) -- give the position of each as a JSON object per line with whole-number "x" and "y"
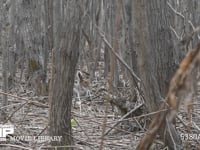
{"x": 115, "y": 37}
{"x": 48, "y": 32}
{"x": 31, "y": 31}
{"x": 156, "y": 60}
{"x": 101, "y": 28}
{"x": 4, "y": 47}
{"x": 146, "y": 64}
{"x": 12, "y": 46}
{"x": 161, "y": 43}
{"x": 132, "y": 52}
{"x": 63, "y": 76}
{"x": 57, "y": 20}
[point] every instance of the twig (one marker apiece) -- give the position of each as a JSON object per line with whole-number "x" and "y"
{"x": 195, "y": 126}
{"x": 150, "y": 114}
{"x": 16, "y": 146}
{"x": 188, "y": 37}
{"x": 181, "y": 120}
{"x": 104, "y": 126}
{"x": 177, "y": 36}
{"x": 170, "y": 133}
{"x": 138, "y": 124}
{"x": 43, "y": 130}
{"x": 176, "y": 12}
{"x": 11, "y": 115}
{"x": 194, "y": 29}
{"x": 82, "y": 129}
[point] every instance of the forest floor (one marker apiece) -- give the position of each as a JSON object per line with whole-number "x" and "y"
{"x": 29, "y": 115}
{"x": 88, "y": 131}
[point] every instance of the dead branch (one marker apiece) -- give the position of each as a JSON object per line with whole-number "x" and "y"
{"x": 178, "y": 83}
{"x": 119, "y": 58}
{"x": 122, "y": 118}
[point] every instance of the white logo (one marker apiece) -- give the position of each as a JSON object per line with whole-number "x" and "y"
{"x": 5, "y": 130}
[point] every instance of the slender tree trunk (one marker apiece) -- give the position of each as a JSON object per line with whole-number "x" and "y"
{"x": 12, "y": 48}
{"x": 4, "y": 47}
{"x": 48, "y": 30}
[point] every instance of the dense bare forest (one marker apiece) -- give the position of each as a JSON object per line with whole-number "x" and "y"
{"x": 100, "y": 74}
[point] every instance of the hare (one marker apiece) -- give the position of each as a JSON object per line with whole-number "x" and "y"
{"x": 81, "y": 88}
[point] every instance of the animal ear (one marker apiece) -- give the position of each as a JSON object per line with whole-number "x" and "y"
{"x": 80, "y": 76}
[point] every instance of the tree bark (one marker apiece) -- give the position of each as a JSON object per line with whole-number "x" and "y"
{"x": 48, "y": 32}
{"x": 145, "y": 57}
{"x": 156, "y": 61}
{"x": 65, "y": 57}
{"x": 4, "y": 9}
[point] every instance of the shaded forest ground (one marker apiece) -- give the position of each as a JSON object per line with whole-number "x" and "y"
{"x": 29, "y": 114}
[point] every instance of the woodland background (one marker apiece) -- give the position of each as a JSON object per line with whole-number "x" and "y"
{"x": 129, "y": 50}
